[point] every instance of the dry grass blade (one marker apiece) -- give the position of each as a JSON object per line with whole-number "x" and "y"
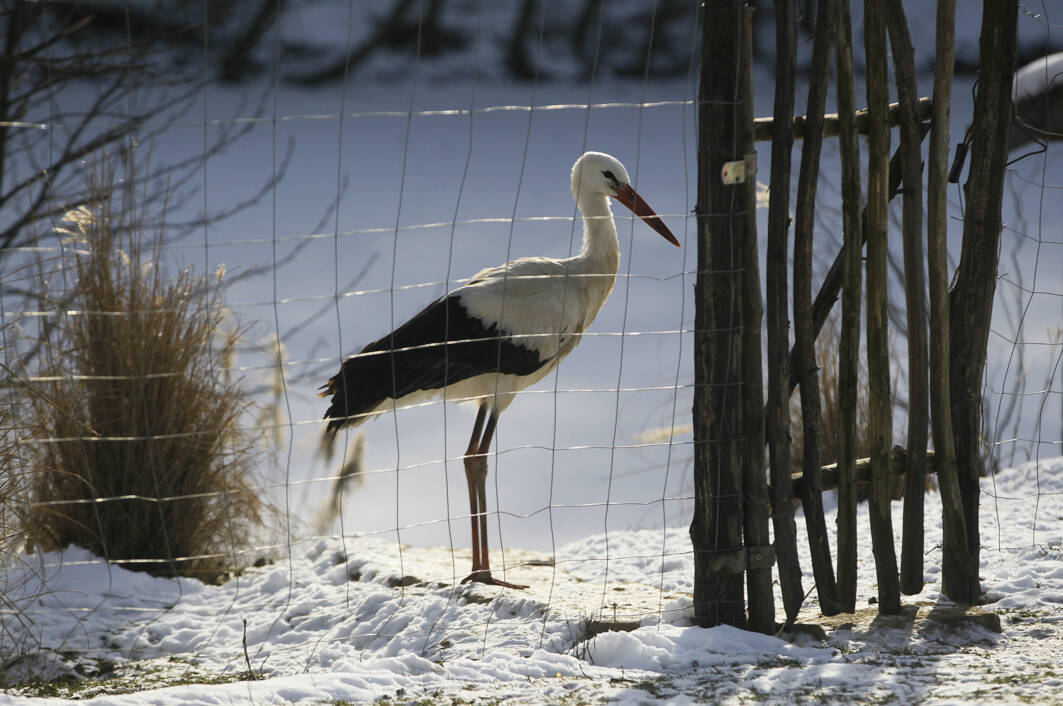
{"x": 351, "y": 476}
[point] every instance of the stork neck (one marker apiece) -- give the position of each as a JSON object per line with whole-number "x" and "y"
{"x": 601, "y": 250}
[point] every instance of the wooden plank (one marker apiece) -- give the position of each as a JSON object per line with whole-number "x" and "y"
{"x": 915, "y": 301}
{"x": 778, "y": 319}
{"x": 804, "y": 337}
{"x": 971, "y": 300}
{"x": 955, "y": 558}
{"x": 756, "y": 508}
{"x": 763, "y": 127}
{"x": 849, "y": 345}
{"x": 716, "y": 527}
{"x": 878, "y": 362}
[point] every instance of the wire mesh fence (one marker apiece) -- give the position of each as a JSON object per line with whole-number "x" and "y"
{"x": 317, "y": 204}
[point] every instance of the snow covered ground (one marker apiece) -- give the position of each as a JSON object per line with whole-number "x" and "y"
{"x": 363, "y": 619}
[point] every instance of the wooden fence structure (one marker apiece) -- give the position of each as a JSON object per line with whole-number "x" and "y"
{"x": 733, "y": 552}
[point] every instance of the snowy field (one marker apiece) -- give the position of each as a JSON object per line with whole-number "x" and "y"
{"x": 391, "y": 623}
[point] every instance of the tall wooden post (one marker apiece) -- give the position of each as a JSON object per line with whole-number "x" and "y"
{"x": 778, "y": 319}
{"x": 971, "y": 301}
{"x": 716, "y": 529}
{"x": 755, "y": 509}
{"x": 915, "y": 301}
{"x": 878, "y": 362}
{"x": 955, "y": 567}
{"x": 849, "y": 345}
{"x": 804, "y": 335}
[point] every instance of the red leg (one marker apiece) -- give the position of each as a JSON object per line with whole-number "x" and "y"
{"x": 474, "y": 512}
{"x": 471, "y": 468}
{"x": 481, "y": 493}
{"x": 481, "y": 572}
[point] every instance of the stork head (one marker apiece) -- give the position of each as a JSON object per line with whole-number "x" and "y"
{"x": 600, "y": 173}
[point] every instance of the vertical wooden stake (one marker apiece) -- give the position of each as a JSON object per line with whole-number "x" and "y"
{"x": 716, "y": 529}
{"x": 849, "y": 349}
{"x": 971, "y": 301}
{"x": 756, "y": 509}
{"x": 915, "y": 301}
{"x": 804, "y": 336}
{"x": 878, "y": 361}
{"x": 778, "y": 410}
{"x": 955, "y": 557}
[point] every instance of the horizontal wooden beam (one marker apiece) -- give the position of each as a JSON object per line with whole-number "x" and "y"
{"x": 829, "y": 474}
{"x": 762, "y": 126}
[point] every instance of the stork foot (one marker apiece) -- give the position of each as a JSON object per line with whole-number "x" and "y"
{"x": 484, "y": 576}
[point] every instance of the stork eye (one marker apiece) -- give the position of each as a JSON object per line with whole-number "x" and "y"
{"x": 609, "y": 175}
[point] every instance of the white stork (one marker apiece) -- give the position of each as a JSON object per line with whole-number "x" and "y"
{"x": 504, "y": 330}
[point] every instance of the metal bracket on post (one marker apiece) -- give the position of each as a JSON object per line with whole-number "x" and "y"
{"x": 762, "y": 557}
{"x": 739, "y": 170}
{"x": 744, "y": 559}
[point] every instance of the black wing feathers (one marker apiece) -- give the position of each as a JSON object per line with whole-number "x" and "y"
{"x": 440, "y": 346}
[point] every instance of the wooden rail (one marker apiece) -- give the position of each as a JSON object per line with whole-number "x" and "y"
{"x": 762, "y": 127}
{"x": 829, "y": 473}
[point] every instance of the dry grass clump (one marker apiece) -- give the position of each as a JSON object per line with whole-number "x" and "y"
{"x": 827, "y": 345}
{"x": 136, "y": 416}
{"x": 12, "y": 493}
{"x": 12, "y": 485}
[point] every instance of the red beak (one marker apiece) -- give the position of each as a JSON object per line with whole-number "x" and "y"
{"x": 630, "y": 198}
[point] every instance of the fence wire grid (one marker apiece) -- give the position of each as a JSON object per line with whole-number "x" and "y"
{"x": 331, "y": 198}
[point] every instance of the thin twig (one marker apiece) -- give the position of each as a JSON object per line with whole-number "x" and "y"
{"x": 251, "y": 675}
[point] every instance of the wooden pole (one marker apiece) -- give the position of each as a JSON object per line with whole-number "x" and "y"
{"x": 915, "y": 301}
{"x": 878, "y": 362}
{"x": 778, "y": 320}
{"x": 955, "y": 557}
{"x": 849, "y": 348}
{"x": 756, "y": 509}
{"x": 804, "y": 337}
{"x": 716, "y": 529}
{"x": 971, "y": 301}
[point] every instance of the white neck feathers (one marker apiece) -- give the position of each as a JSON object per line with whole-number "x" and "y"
{"x": 600, "y": 253}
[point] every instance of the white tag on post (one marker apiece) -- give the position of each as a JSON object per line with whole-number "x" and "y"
{"x": 739, "y": 170}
